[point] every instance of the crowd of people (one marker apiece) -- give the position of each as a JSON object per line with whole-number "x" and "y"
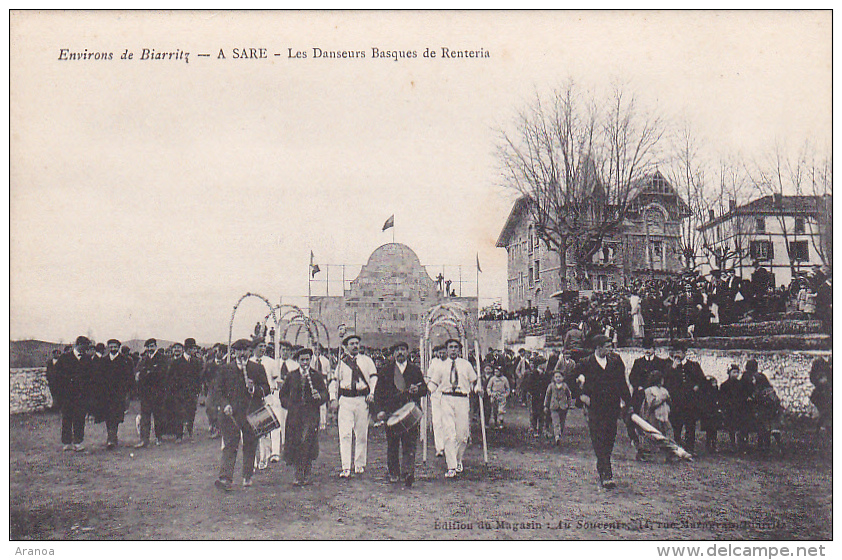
{"x": 686, "y": 306}
{"x": 353, "y": 385}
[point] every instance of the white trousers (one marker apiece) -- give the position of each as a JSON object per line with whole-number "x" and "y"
{"x": 353, "y": 422}
{"x": 438, "y": 430}
{"x": 271, "y": 444}
{"x": 455, "y": 421}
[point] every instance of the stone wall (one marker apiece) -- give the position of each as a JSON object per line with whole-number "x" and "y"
{"x": 28, "y": 391}
{"x": 788, "y": 371}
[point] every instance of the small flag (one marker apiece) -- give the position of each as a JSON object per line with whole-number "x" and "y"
{"x": 314, "y": 268}
{"x": 389, "y": 223}
{"x": 478, "y": 267}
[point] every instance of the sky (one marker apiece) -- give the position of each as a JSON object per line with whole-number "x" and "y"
{"x": 147, "y": 196}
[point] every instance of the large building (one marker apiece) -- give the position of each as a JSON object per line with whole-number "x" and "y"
{"x": 788, "y": 235}
{"x": 646, "y": 246}
{"x": 386, "y": 303}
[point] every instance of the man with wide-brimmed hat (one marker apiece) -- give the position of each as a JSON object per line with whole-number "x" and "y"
{"x": 239, "y": 391}
{"x": 351, "y": 392}
{"x": 455, "y": 379}
{"x": 398, "y": 383}
{"x": 73, "y": 381}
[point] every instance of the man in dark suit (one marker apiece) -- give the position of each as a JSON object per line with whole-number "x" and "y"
{"x": 112, "y": 382}
{"x": 602, "y": 377}
{"x": 179, "y": 384}
{"x": 73, "y": 383}
{"x": 684, "y": 379}
{"x": 194, "y": 383}
{"x": 639, "y": 380}
{"x": 151, "y": 385}
{"x": 399, "y": 382}
{"x": 239, "y": 390}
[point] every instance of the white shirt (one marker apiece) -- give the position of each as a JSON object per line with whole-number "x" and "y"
{"x": 344, "y": 375}
{"x": 601, "y": 361}
{"x": 271, "y": 368}
{"x": 440, "y": 379}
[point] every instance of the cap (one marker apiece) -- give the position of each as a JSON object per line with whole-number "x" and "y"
{"x": 82, "y": 341}
{"x": 100, "y": 347}
{"x": 400, "y": 345}
{"x": 176, "y": 343}
{"x": 599, "y": 340}
{"x": 114, "y": 341}
{"x": 302, "y": 352}
{"x": 284, "y": 344}
{"x": 449, "y": 340}
{"x": 241, "y": 344}
{"x": 150, "y": 342}
{"x": 751, "y": 366}
{"x": 190, "y": 343}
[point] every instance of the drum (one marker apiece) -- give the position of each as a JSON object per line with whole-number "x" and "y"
{"x": 405, "y": 418}
{"x": 263, "y": 421}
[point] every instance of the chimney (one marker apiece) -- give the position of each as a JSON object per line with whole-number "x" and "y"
{"x": 732, "y": 205}
{"x": 711, "y": 215}
{"x": 779, "y": 200}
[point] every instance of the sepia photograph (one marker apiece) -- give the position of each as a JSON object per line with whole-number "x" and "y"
{"x": 421, "y": 276}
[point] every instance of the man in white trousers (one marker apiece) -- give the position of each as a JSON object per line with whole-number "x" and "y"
{"x": 351, "y": 391}
{"x": 321, "y": 364}
{"x": 269, "y": 449}
{"x": 439, "y": 354}
{"x": 454, "y": 378}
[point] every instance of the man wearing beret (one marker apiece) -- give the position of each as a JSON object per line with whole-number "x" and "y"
{"x": 113, "y": 381}
{"x": 151, "y": 383}
{"x": 351, "y": 392}
{"x": 73, "y": 383}
{"x": 684, "y": 379}
{"x": 454, "y": 378}
{"x": 602, "y": 377}
{"x": 303, "y": 393}
{"x": 179, "y": 387}
{"x": 239, "y": 391}
{"x": 399, "y": 382}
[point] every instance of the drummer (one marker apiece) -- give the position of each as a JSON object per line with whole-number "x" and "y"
{"x": 398, "y": 383}
{"x": 454, "y": 379}
{"x": 239, "y": 390}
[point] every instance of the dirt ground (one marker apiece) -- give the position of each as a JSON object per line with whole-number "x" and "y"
{"x": 529, "y": 490}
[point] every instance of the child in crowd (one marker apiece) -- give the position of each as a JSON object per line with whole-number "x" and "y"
{"x": 498, "y": 391}
{"x": 557, "y": 402}
{"x": 656, "y": 411}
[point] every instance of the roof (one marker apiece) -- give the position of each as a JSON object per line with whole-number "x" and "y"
{"x": 764, "y": 206}
{"x": 518, "y": 209}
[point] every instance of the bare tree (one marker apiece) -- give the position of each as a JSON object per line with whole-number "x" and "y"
{"x": 575, "y": 158}
{"x": 724, "y": 244}
{"x": 687, "y": 176}
{"x": 809, "y": 178}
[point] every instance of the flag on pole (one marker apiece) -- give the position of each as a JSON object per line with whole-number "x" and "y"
{"x": 478, "y": 267}
{"x": 314, "y": 268}
{"x": 389, "y": 223}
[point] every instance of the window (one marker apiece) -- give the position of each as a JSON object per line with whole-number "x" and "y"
{"x": 530, "y": 240}
{"x": 531, "y": 277}
{"x": 799, "y": 251}
{"x": 762, "y": 250}
{"x": 760, "y": 224}
{"x": 799, "y": 225}
{"x": 537, "y": 270}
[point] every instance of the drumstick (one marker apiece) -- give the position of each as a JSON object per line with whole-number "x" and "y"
{"x": 481, "y": 406}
